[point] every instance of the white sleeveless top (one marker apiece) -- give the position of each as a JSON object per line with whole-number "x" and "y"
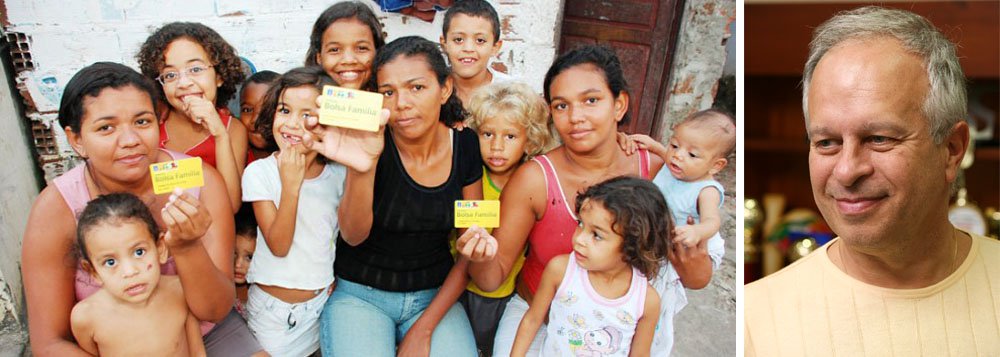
{"x": 584, "y": 323}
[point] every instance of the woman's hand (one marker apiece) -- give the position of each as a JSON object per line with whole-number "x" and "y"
{"x": 416, "y": 343}
{"x": 203, "y": 112}
{"x": 477, "y": 245}
{"x": 186, "y": 220}
{"x": 693, "y": 265}
{"x": 357, "y": 149}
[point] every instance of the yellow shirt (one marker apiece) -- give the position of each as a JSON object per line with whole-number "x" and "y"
{"x": 812, "y": 308}
{"x": 491, "y": 192}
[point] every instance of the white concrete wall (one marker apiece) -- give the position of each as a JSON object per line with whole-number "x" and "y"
{"x": 707, "y": 326}
{"x": 18, "y": 188}
{"x": 68, "y": 35}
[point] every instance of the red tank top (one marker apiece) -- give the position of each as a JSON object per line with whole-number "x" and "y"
{"x": 204, "y": 149}
{"x": 553, "y": 234}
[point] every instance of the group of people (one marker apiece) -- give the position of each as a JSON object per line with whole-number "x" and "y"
{"x": 344, "y": 241}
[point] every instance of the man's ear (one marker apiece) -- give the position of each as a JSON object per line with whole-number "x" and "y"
{"x": 956, "y": 144}
{"x": 621, "y": 105}
{"x": 74, "y": 142}
{"x": 718, "y": 165}
{"x": 161, "y": 249}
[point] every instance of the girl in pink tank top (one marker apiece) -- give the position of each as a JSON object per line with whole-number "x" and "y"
{"x": 596, "y": 297}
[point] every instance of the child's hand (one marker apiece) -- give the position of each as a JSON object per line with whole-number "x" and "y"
{"x": 357, "y": 149}
{"x": 187, "y": 220}
{"x": 477, "y": 245}
{"x": 626, "y": 143}
{"x": 203, "y": 112}
{"x": 291, "y": 167}
{"x": 686, "y": 235}
{"x": 647, "y": 143}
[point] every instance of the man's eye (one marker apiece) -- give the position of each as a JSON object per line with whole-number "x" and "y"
{"x": 878, "y": 139}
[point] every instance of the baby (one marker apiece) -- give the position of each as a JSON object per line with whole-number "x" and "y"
{"x": 137, "y": 312}
{"x": 694, "y": 154}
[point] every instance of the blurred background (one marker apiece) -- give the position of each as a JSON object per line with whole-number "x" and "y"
{"x": 782, "y": 222}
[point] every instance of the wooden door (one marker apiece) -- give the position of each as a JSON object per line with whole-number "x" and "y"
{"x": 643, "y": 33}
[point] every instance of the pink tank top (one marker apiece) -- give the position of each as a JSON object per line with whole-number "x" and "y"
{"x": 553, "y": 234}
{"x": 204, "y": 149}
{"x": 72, "y": 185}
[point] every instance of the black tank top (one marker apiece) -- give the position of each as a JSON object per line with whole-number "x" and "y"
{"x": 407, "y": 248}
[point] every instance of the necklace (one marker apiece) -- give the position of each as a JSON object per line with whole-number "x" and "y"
{"x": 147, "y": 199}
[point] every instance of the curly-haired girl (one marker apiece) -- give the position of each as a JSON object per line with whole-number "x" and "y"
{"x": 198, "y": 72}
{"x": 596, "y": 297}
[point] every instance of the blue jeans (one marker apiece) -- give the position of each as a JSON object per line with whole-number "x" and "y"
{"x": 359, "y": 320}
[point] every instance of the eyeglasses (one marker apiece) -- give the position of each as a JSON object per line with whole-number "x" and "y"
{"x": 173, "y": 76}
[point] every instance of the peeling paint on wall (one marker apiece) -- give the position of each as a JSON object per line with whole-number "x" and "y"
{"x": 268, "y": 35}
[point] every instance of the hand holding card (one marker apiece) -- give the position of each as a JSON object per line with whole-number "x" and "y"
{"x": 187, "y": 220}
{"x": 183, "y": 174}
{"x": 350, "y": 108}
{"x": 356, "y": 149}
{"x": 477, "y": 245}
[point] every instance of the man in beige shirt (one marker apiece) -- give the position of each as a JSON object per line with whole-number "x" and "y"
{"x": 885, "y": 101}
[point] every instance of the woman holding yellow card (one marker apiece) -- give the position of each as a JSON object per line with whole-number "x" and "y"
{"x": 109, "y": 116}
{"x": 395, "y": 274}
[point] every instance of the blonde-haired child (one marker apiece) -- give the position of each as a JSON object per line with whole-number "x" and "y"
{"x": 512, "y": 123}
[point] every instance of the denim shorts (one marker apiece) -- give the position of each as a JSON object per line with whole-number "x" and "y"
{"x": 359, "y": 320}
{"x": 285, "y": 329}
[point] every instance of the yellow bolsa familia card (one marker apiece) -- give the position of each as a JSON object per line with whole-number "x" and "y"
{"x": 183, "y": 174}
{"x": 350, "y": 108}
{"x": 485, "y": 214}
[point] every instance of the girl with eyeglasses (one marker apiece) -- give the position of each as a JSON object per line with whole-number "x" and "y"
{"x": 197, "y": 72}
